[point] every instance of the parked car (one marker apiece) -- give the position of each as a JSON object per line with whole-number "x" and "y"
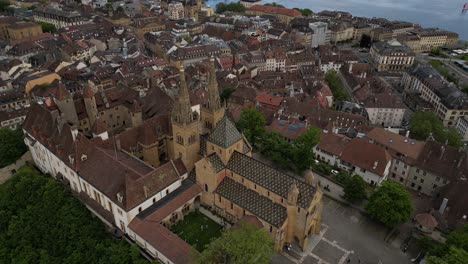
{"x": 334, "y": 172}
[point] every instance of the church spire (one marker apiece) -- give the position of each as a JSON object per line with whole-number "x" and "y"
{"x": 182, "y": 112}
{"x": 214, "y": 102}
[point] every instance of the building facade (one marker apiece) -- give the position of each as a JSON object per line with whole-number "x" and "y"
{"x": 391, "y": 56}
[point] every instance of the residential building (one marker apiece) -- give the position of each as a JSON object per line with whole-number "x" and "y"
{"x": 367, "y": 160}
{"x": 404, "y": 151}
{"x": 175, "y": 10}
{"x": 462, "y": 127}
{"x": 448, "y": 101}
{"x": 320, "y": 35}
{"x": 57, "y": 17}
{"x": 384, "y": 109}
{"x": 22, "y": 30}
{"x": 425, "y": 40}
{"x": 341, "y": 31}
{"x": 330, "y": 147}
{"x": 391, "y": 56}
{"x": 437, "y": 165}
{"x": 250, "y": 3}
{"x": 284, "y": 15}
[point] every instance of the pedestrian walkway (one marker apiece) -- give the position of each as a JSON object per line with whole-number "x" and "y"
{"x": 215, "y": 218}
{"x": 8, "y": 172}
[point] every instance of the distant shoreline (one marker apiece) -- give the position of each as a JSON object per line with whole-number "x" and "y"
{"x": 423, "y": 17}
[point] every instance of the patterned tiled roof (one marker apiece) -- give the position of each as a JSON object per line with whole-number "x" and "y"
{"x": 260, "y": 206}
{"x": 225, "y": 134}
{"x": 269, "y": 178}
{"x": 216, "y": 162}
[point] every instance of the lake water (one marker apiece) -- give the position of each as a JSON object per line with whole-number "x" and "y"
{"x": 444, "y": 14}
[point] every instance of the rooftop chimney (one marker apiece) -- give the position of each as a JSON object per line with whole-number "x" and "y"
{"x": 443, "y": 206}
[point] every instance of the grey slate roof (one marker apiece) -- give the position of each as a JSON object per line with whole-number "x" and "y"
{"x": 225, "y": 134}
{"x": 260, "y": 206}
{"x": 216, "y": 162}
{"x": 269, "y": 178}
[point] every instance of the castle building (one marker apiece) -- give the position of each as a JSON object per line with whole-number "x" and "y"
{"x": 144, "y": 176}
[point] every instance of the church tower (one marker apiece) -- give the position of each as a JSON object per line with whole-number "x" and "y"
{"x": 66, "y": 105}
{"x": 185, "y": 127}
{"x": 212, "y": 111}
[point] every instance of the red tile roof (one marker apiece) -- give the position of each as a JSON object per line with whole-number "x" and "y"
{"x": 366, "y": 155}
{"x": 270, "y": 100}
{"x": 332, "y": 143}
{"x": 275, "y": 10}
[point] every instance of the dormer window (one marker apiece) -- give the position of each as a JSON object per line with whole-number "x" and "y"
{"x": 84, "y": 157}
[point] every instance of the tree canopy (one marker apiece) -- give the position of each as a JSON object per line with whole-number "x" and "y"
{"x": 305, "y": 11}
{"x": 226, "y": 93}
{"x": 390, "y": 204}
{"x": 297, "y": 155}
{"x": 336, "y": 86}
{"x": 41, "y": 223}
{"x": 47, "y": 27}
{"x": 366, "y": 41}
{"x": 453, "y": 251}
{"x": 252, "y": 124}
{"x": 11, "y": 146}
{"x": 233, "y": 7}
{"x": 274, "y": 4}
{"x": 302, "y": 148}
{"x": 246, "y": 244}
{"x": 4, "y": 4}
{"x": 423, "y": 124}
{"x": 354, "y": 189}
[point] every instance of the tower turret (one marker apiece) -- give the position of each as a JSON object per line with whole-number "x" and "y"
{"x": 66, "y": 105}
{"x": 212, "y": 110}
{"x": 185, "y": 127}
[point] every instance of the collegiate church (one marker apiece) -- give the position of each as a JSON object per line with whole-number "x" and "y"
{"x": 141, "y": 175}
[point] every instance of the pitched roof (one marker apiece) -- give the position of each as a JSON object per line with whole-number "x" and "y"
{"x": 366, "y": 155}
{"x": 253, "y": 202}
{"x": 225, "y": 134}
{"x": 444, "y": 161}
{"x": 215, "y": 161}
{"x": 269, "y": 178}
{"x": 398, "y": 145}
{"x": 332, "y": 143}
{"x": 275, "y": 10}
{"x": 147, "y": 223}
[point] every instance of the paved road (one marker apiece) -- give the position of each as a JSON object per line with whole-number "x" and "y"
{"x": 462, "y": 75}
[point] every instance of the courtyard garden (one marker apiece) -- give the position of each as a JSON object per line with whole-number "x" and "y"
{"x": 197, "y": 229}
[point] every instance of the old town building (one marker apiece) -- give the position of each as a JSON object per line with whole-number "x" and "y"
{"x": 391, "y": 56}
{"x": 141, "y": 175}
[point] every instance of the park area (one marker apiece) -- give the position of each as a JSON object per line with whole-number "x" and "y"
{"x": 197, "y": 229}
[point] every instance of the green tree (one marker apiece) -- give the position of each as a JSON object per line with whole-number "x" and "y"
{"x": 11, "y": 146}
{"x": 423, "y": 124}
{"x": 355, "y": 189}
{"x": 274, "y": 4}
{"x": 390, "y": 204}
{"x": 4, "y": 5}
{"x": 41, "y": 223}
{"x": 233, "y": 7}
{"x": 276, "y": 148}
{"x": 305, "y": 11}
{"x": 366, "y": 41}
{"x": 226, "y": 93}
{"x": 302, "y": 149}
{"x": 252, "y": 124}
{"x": 454, "y": 255}
{"x": 47, "y": 27}
{"x": 336, "y": 86}
{"x": 246, "y": 244}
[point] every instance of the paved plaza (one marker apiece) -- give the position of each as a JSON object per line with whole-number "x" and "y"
{"x": 347, "y": 234}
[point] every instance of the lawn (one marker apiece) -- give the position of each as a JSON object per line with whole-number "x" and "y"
{"x": 197, "y": 230}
